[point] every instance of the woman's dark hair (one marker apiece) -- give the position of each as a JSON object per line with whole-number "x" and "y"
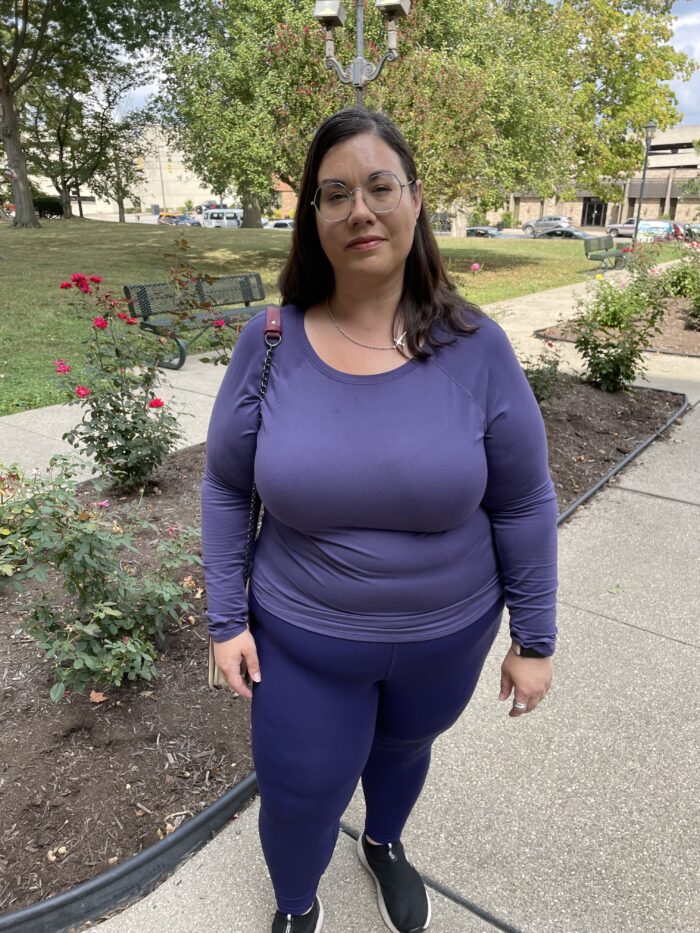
{"x": 428, "y": 296}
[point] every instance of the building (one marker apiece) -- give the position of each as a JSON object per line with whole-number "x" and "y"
{"x": 672, "y": 159}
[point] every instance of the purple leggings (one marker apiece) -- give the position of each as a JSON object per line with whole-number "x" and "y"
{"x": 330, "y": 711}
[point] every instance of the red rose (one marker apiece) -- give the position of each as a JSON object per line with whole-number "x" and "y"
{"x": 100, "y": 323}
{"x": 122, "y": 316}
{"x": 156, "y": 403}
{"x": 82, "y": 391}
{"x": 220, "y": 323}
{"x": 84, "y": 288}
{"x": 131, "y": 320}
{"x": 66, "y": 285}
{"x": 61, "y": 366}
{"x": 78, "y": 277}
{"x": 96, "y": 279}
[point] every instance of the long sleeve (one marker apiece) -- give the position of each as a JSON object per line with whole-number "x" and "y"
{"x": 520, "y": 498}
{"x": 228, "y": 482}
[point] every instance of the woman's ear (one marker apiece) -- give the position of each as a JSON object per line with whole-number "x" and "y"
{"x": 417, "y": 196}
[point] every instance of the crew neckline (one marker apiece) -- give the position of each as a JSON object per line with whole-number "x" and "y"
{"x": 338, "y": 374}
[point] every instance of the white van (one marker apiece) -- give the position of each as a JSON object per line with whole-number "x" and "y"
{"x": 218, "y": 217}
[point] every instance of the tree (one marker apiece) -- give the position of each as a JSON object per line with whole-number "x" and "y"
{"x": 494, "y": 97}
{"x": 33, "y": 33}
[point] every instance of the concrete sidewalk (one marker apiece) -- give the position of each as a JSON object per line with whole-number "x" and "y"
{"x": 581, "y": 818}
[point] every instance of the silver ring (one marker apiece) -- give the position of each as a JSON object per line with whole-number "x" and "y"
{"x": 517, "y": 705}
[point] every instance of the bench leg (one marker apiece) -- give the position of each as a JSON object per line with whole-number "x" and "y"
{"x": 174, "y": 362}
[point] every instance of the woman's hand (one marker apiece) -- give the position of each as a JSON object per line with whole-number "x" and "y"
{"x": 528, "y": 678}
{"x": 228, "y": 655}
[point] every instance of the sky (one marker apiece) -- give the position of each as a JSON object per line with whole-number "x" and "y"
{"x": 686, "y": 39}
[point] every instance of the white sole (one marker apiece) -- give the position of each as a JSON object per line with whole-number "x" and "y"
{"x": 319, "y": 925}
{"x": 380, "y": 900}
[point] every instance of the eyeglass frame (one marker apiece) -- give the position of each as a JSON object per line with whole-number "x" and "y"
{"x": 351, "y": 192}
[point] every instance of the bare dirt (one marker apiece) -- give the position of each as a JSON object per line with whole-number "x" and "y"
{"x": 85, "y": 785}
{"x": 675, "y": 336}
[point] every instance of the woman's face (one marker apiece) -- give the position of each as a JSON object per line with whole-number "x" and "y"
{"x": 391, "y": 234}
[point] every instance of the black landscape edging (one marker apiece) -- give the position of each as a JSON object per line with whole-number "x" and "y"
{"x": 621, "y": 464}
{"x": 541, "y": 334}
{"x": 133, "y": 878}
{"x": 141, "y": 873}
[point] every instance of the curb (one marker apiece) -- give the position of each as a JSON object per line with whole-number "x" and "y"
{"x": 135, "y": 877}
{"x": 541, "y": 335}
{"x": 570, "y": 509}
{"x": 141, "y": 873}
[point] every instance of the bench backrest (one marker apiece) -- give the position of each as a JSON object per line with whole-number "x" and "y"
{"x": 151, "y": 298}
{"x": 598, "y": 244}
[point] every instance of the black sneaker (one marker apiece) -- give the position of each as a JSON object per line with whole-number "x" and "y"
{"x": 306, "y": 923}
{"x": 403, "y": 901}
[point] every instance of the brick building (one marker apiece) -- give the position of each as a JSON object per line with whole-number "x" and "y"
{"x": 672, "y": 160}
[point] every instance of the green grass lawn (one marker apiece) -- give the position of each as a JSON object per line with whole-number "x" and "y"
{"x": 38, "y": 324}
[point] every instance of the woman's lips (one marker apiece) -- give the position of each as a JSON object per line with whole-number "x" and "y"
{"x": 368, "y": 244}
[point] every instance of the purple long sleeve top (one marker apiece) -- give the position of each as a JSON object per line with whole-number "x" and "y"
{"x": 398, "y": 507}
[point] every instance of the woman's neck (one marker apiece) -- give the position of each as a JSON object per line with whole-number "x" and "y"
{"x": 366, "y": 311}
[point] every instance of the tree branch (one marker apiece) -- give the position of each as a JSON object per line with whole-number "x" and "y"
{"x": 28, "y": 70}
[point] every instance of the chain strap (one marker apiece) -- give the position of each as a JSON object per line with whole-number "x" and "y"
{"x": 254, "y": 518}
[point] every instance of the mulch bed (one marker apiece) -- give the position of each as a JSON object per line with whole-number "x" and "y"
{"x": 85, "y": 785}
{"x": 674, "y": 336}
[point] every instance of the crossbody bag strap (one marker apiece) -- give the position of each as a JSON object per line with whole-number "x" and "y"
{"x": 273, "y": 337}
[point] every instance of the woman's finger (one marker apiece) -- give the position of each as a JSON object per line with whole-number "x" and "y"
{"x": 237, "y": 683}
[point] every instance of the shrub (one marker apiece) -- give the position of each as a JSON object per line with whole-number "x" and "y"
{"x": 543, "y": 374}
{"x": 692, "y": 315}
{"x": 106, "y": 628}
{"x": 615, "y": 327}
{"x": 682, "y": 280}
{"x": 126, "y": 427}
{"x": 477, "y": 218}
{"x": 48, "y": 205}
{"x": 507, "y": 219}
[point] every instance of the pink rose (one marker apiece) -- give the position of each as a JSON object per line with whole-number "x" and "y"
{"x": 104, "y": 504}
{"x": 475, "y": 267}
{"x": 61, "y": 366}
{"x": 82, "y": 391}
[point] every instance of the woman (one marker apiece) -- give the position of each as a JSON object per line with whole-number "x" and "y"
{"x": 402, "y": 463}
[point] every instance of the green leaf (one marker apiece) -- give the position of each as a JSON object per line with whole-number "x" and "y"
{"x": 57, "y": 691}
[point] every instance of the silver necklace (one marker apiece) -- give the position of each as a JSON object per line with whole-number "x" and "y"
{"x": 397, "y": 344}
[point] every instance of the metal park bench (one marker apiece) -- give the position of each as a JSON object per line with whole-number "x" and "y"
{"x": 173, "y": 313}
{"x": 602, "y": 249}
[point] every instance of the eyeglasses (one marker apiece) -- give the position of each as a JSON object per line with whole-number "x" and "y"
{"x": 382, "y": 194}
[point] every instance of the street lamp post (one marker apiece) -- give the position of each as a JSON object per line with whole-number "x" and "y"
{"x": 331, "y": 14}
{"x": 650, "y": 127}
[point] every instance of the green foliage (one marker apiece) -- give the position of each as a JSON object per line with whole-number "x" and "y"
{"x": 477, "y": 219}
{"x": 682, "y": 280}
{"x": 692, "y": 315}
{"x": 615, "y": 326}
{"x": 507, "y": 219}
{"x": 125, "y": 427}
{"x": 492, "y": 97}
{"x": 543, "y": 374}
{"x": 48, "y": 205}
{"x": 106, "y": 629}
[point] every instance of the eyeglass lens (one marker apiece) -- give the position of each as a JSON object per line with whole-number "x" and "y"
{"x": 382, "y": 194}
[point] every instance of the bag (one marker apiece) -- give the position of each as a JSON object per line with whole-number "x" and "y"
{"x": 273, "y": 337}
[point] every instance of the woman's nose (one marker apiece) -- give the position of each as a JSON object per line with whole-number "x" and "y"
{"x": 359, "y": 207}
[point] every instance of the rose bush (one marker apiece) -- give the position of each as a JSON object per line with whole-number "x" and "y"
{"x": 125, "y": 429}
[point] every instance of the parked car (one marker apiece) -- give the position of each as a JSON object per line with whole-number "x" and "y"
{"x": 222, "y": 218}
{"x": 549, "y": 222}
{"x": 564, "y": 233}
{"x": 279, "y": 225}
{"x": 625, "y": 228}
{"x": 209, "y": 206}
{"x": 179, "y": 220}
{"x": 483, "y": 231}
{"x": 659, "y": 230}
{"x": 692, "y": 232}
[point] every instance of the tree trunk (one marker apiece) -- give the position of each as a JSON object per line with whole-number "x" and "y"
{"x": 119, "y": 190}
{"x": 16, "y": 164}
{"x": 65, "y": 203}
{"x": 80, "y": 204}
{"x": 251, "y": 211}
